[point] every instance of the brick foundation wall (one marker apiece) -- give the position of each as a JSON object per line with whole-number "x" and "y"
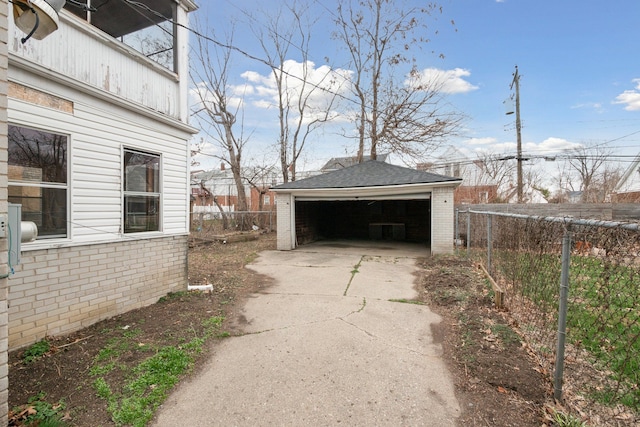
{"x": 58, "y": 291}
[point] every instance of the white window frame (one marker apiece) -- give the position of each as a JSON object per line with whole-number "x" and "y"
{"x": 126, "y": 227}
{"x": 52, "y": 185}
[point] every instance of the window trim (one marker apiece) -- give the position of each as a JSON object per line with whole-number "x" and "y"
{"x": 125, "y": 194}
{"x": 43, "y": 241}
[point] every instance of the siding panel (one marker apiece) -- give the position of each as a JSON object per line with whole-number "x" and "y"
{"x": 96, "y": 141}
{"x": 112, "y": 66}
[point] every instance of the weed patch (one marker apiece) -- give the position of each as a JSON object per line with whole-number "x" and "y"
{"x": 36, "y": 351}
{"x": 38, "y": 412}
{"x": 149, "y": 382}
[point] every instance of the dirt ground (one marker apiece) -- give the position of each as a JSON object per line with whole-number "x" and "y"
{"x": 497, "y": 382}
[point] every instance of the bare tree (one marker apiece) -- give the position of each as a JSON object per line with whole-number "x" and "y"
{"x": 299, "y": 86}
{"x": 402, "y": 114}
{"x": 217, "y": 110}
{"x": 496, "y": 169}
{"x": 587, "y": 163}
{"x": 606, "y": 182}
{"x": 261, "y": 178}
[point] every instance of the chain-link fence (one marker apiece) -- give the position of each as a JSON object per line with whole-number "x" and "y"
{"x": 573, "y": 287}
{"x": 216, "y": 225}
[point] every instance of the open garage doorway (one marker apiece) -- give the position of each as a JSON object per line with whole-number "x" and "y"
{"x": 388, "y": 220}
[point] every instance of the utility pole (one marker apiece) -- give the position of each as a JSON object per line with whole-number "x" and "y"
{"x": 516, "y": 83}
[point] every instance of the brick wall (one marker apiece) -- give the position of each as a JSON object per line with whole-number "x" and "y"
{"x": 4, "y": 374}
{"x": 442, "y": 219}
{"x": 57, "y": 291}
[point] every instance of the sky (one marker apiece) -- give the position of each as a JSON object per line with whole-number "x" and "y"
{"x": 578, "y": 63}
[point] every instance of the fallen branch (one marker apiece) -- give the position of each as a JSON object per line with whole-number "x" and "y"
{"x": 75, "y": 342}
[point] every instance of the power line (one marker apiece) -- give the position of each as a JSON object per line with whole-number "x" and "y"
{"x": 236, "y": 49}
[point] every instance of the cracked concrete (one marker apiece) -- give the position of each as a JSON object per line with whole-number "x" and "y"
{"x": 324, "y": 345}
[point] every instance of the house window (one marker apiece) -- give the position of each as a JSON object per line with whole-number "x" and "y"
{"x": 37, "y": 178}
{"x": 483, "y": 197}
{"x": 141, "y": 191}
{"x": 267, "y": 200}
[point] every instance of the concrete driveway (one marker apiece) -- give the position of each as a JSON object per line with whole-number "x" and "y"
{"x": 325, "y": 346}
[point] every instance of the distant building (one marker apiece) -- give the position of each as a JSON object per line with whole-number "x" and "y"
{"x": 344, "y": 162}
{"x": 477, "y": 187}
{"x": 209, "y": 187}
{"x": 628, "y": 188}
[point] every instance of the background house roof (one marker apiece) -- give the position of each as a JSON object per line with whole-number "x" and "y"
{"x": 367, "y": 174}
{"x": 344, "y": 162}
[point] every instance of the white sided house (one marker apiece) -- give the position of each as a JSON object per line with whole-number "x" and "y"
{"x": 98, "y": 159}
{"x": 372, "y": 200}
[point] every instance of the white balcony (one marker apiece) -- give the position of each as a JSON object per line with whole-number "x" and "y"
{"x": 80, "y": 53}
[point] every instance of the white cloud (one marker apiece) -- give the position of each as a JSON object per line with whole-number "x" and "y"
{"x": 263, "y": 104}
{"x": 498, "y": 148}
{"x": 235, "y": 102}
{"x": 481, "y": 141}
{"x": 589, "y": 105}
{"x": 550, "y": 145}
{"x": 447, "y": 81}
{"x": 253, "y": 77}
{"x": 630, "y": 98}
{"x": 301, "y": 79}
{"x": 241, "y": 90}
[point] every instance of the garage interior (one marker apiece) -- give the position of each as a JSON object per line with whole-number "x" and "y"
{"x": 392, "y": 220}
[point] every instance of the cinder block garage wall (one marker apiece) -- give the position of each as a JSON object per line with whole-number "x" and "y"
{"x": 442, "y": 218}
{"x": 285, "y": 205}
{"x": 58, "y": 291}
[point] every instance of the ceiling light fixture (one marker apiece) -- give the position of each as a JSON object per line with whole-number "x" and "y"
{"x": 37, "y": 18}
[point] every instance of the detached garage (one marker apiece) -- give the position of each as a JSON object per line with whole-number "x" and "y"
{"x": 371, "y": 200}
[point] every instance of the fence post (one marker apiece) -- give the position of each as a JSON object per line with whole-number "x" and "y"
{"x": 489, "y": 242}
{"x": 468, "y": 232}
{"x": 562, "y": 315}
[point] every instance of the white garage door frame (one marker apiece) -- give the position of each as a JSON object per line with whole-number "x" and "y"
{"x": 441, "y": 196}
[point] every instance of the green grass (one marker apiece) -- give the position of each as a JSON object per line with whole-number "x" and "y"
{"x": 505, "y": 334}
{"x": 149, "y": 382}
{"x": 603, "y": 312}
{"x": 604, "y": 318}
{"x": 36, "y": 351}
{"x": 173, "y": 295}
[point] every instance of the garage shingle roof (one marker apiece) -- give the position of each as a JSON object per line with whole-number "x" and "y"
{"x": 372, "y": 173}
